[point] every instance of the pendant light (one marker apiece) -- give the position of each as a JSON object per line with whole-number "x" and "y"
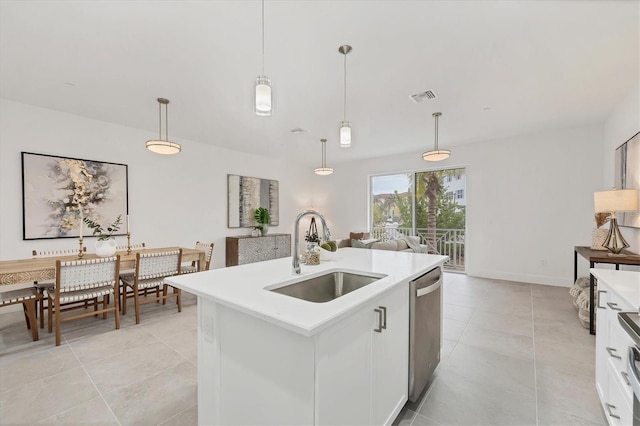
{"x": 436, "y": 154}
{"x": 161, "y": 146}
{"x": 345, "y": 126}
{"x": 324, "y": 170}
{"x": 263, "y": 84}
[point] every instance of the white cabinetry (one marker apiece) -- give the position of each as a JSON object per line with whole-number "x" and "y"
{"x": 612, "y": 344}
{"x": 348, "y": 373}
{"x": 363, "y": 363}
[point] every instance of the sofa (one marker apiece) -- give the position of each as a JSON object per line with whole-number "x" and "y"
{"x": 363, "y": 240}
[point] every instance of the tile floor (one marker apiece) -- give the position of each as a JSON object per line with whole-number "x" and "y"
{"x": 513, "y": 354}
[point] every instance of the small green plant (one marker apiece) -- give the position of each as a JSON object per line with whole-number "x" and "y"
{"x": 262, "y": 217}
{"x": 98, "y": 230}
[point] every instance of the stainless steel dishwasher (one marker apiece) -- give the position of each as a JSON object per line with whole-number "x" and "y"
{"x": 425, "y": 309}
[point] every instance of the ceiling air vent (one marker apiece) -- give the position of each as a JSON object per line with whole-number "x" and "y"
{"x": 423, "y": 96}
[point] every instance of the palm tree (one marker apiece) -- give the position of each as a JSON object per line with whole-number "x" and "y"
{"x": 432, "y": 189}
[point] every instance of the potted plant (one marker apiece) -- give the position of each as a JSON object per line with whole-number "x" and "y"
{"x": 106, "y": 243}
{"x": 262, "y": 219}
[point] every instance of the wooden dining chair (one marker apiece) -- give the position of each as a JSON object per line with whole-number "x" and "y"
{"x": 134, "y": 247}
{"x": 29, "y": 298}
{"x": 151, "y": 270}
{"x": 41, "y": 286}
{"x": 193, "y": 266}
{"x": 80, "y": 280}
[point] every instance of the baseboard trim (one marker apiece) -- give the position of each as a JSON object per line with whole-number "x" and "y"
{"x": 523, "y": 278}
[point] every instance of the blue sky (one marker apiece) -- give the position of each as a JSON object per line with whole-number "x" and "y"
{"x": 389, "y": 183}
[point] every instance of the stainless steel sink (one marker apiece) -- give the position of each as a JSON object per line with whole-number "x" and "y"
{"x": 327, "y": 287}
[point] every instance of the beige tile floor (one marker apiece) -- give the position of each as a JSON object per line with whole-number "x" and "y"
{"x": 513, "y": 354}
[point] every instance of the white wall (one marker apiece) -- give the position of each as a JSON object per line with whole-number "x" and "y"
{"x": 623, "y": 123}
{"x": 530, "y": 200}
{"x": 173, "y": 200}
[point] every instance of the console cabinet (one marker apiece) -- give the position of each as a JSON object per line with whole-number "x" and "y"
{"x": 247, "y": 249}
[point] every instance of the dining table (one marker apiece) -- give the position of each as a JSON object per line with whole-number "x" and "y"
{"x": 44, "y": 268}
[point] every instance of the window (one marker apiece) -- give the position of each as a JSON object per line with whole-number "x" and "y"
{"x": 430, "y": 205}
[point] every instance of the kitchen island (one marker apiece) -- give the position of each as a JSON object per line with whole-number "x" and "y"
{"x": 269, "y": 358}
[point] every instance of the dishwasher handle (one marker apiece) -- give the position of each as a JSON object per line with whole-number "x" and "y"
{"x": 430, "y": 289}
{"x": 428, "y": 282}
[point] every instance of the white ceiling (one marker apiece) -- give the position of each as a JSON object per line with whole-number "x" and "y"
{"x": 499, "y": 68}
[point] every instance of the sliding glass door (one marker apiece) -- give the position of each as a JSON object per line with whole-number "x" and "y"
{"x": 428, "y": 204}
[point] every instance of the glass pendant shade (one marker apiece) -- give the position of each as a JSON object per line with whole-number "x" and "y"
{"x": 345, "y": 134}
{"x": 163, "y": 146}
{"x": 323, "y": 171}
{"x": 263, "y": 96}
{"x": 437, "y": 155}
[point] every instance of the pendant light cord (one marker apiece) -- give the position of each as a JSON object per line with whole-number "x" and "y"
{"x": 262, "y": 37}
{"x": 166, "y": 121}
{"x": 159, "y": 120}
{"x": 324, "y": 153}
{"x": 345, "y": 87}
{"x": 436, "y": 138}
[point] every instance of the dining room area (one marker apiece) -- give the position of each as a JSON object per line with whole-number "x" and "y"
{"x": 81, "y": 367}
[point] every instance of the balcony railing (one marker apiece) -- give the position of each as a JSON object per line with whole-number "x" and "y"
{"x": 448, "y": 242}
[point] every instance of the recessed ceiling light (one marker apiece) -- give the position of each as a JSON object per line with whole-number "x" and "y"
{"x": 70, "y": 84}
{"x": 486, "y": 108}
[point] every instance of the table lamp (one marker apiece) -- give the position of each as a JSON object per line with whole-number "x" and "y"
{"x": 616, "y": 200}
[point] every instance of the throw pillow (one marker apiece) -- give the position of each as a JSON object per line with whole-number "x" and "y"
{"x": 362, "y": 244}
{"x": 358, "y": 235}
{"x": 402, "y": 245}
{"x": 391, "y": 245}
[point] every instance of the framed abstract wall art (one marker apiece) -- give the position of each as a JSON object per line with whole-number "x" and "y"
{"x": 245, "y": 194}
{"x": 627, "y": 170}
{"x": 57, "y": 192}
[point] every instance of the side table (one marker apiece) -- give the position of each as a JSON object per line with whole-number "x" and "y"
{"x": 600, "y": 256}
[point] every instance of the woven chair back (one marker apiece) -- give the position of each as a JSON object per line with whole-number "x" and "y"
{"x": 77, "y": 275}
{"x": 208, "y": 249}
{"x": 157, "y": 265}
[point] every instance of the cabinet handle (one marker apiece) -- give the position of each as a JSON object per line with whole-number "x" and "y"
{"x": 611, "y": 352}
{"x": 609, "y": 408}
{"x": 600, "y": 298}
{"x": 625, "y": 376}
{"x": 384, "y": 316}
{"x": 379, "y": 329}
{"x": 614, "y": 306}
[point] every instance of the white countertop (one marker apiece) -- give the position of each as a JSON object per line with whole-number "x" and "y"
{"x": 626, "y": 284}
{"x": 243, "y": 287}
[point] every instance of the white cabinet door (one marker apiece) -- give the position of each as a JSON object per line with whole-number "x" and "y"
{"x": 390, "y": 354}
{"x": 343, "y": 373}
{"x": 362, "y": 375}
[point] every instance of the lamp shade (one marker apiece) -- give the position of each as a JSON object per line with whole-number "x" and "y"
{"x": 345, "y": 134}
{"x": 163, "y": 147}
{"x": 263, "y": 96}
{"x": 436, "y": 155}
{"x": 616, "y": 200}
{"x": 323, "y": 171}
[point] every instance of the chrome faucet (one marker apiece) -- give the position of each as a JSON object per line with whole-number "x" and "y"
{"x": 325, "y": 230}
